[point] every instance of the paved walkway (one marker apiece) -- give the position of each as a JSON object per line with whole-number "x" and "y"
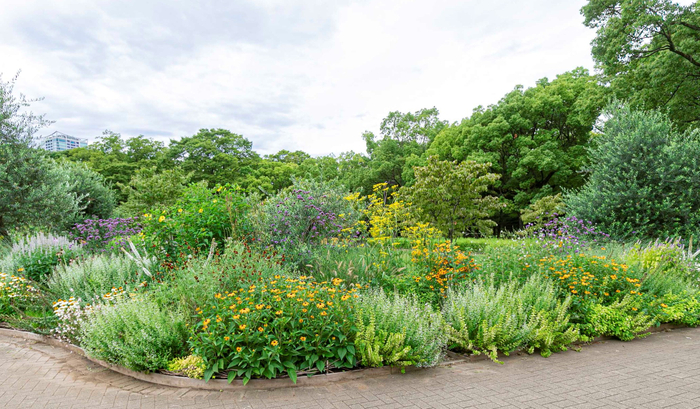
{"x": 661, "y": 371}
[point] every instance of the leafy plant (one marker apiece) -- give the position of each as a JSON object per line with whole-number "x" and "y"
{"x": 201, "y": 215}
{"x": 95, "y": 276}
{"x": 191, "y": 366}
{"x": 397, "y": 330}
{"x": 489, "y": 320}
{"x": 135, "y": 333}
{"x": 451, "y": 196}
{"x": 36, "y": 256}
{"x": 621, "y": 319}
{"x": 642, "y": 177}
{"x": 377, "y": 348}
{"x": 282, "y": 325}
{"x": 542, "y": 211}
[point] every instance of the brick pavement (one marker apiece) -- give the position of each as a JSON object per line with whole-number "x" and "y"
{"x": 661, "y": 371}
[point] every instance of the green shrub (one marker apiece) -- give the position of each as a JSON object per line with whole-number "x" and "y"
{"x": 35, "y": 257}
{"x": 621, "y": 319}
{"x": 304, "y": 216}
{"x": 542, "y": 211}
{"x": 281, "y": 325}
{"x": 487, "y": 319}
{"x": 15, "y": 292}
{"x": 95, "y": 198}
{"x": 197, "y": 283}
{"x": 150, "y": 189}
{"x": 95, "y": 276}
{"x": 679, "y": 308}
{"x": 396, "y": 330}
{"x": 667, "y": 257}
{"x": 135, "y": 333}
{"x": 642, "y": 178}
{"x": 191, "y": 366}
{"x": 201, "y": 215}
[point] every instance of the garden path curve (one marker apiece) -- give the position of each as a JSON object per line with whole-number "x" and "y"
{"x": 661, "y": 371}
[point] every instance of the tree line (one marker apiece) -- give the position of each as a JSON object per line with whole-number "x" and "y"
{"x": 536, "y": 139}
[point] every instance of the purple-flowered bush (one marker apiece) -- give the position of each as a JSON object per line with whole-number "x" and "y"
{"x": 97, "y": 235}
{"x": 569, "y": 234}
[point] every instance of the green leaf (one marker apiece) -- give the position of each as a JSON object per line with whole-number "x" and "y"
{"x": 292, "y": 375}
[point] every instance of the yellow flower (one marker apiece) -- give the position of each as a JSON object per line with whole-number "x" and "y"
{"x": 179, "y": 210}
{"x": 303, "y": 338}
{"x": 239, "y": 349}
{"x": 213, "y": 201}
{"x": 201, "y": 210}
{"x": 278, "y": 312}
{"x": 242, "y": 326}
{"x": 235, "y": 317}
{"x": 161, "y": 218}
{"x": 301, "y": 320}
{"x": 260, "y": 329}
{"x": 20, "y": 269}
{"x": 274, "y": 343}
{"x": 226, "y": 338}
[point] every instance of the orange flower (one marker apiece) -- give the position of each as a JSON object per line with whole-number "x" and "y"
{"x": 303, "y": 338}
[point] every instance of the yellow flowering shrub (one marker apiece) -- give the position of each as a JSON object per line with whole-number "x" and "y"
{"x": 386, "y": 213}
{"x": 588, "y": 276}
{"x": 434, "y": 267}
{"x": 280, "y": 325}
{"x": 15, "y": 290}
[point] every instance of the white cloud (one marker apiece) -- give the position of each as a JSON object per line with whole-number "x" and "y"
{"x": 293, "y": 75}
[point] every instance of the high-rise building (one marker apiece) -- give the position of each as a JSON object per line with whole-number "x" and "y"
{"x": 58, "y": 141}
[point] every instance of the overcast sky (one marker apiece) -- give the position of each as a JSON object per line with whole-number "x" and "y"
{"x": 310, "y": 75}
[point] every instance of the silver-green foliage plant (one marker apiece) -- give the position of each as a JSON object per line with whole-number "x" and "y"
{"x": 91, "y": 278}
{"x": 135, "y": 333}
{"x": 398, "y": 330}
{"x": 485, "y": 319}
{"x": 36, "y": 256}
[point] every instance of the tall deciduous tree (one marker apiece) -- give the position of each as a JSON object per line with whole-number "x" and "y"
{"x": 217, "y": 156}
{"x": 151, "y": 190}
{"x": 450, "y": 195}
{"x": 403, "y": 140}
{"x": 650, "y": 53}
{"x": 534, "y": 138}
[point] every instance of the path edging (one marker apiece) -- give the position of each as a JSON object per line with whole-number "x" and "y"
{"x": 262, "y": 384}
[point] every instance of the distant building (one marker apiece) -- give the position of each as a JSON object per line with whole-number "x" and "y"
{"x": 58, "y": 141}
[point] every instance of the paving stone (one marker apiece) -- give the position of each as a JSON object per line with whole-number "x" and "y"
{"x": 660, "y": 371}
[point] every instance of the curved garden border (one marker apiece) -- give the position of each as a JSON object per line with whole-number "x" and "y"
{"x": 261, "y": 384}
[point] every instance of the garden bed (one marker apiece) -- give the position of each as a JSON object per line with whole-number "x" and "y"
{"x": 178, "y": 381}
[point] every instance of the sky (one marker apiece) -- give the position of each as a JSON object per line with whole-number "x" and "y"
{"x": 309, "y": 75}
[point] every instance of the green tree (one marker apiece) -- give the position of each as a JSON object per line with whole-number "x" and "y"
{"x": 150, "y": 189}
{"x": 404, "y": 137}
{"x": 117, "y": 159}
{"x": 649, "y": 52}
{"x": 32, "y": 190}
{"x": 644, "y": 177}
{"x": 217, "y": 156}
{"x": 96, "y": 199}
{"x": 534, "y": 138}
{"x": 450, "y": 195}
